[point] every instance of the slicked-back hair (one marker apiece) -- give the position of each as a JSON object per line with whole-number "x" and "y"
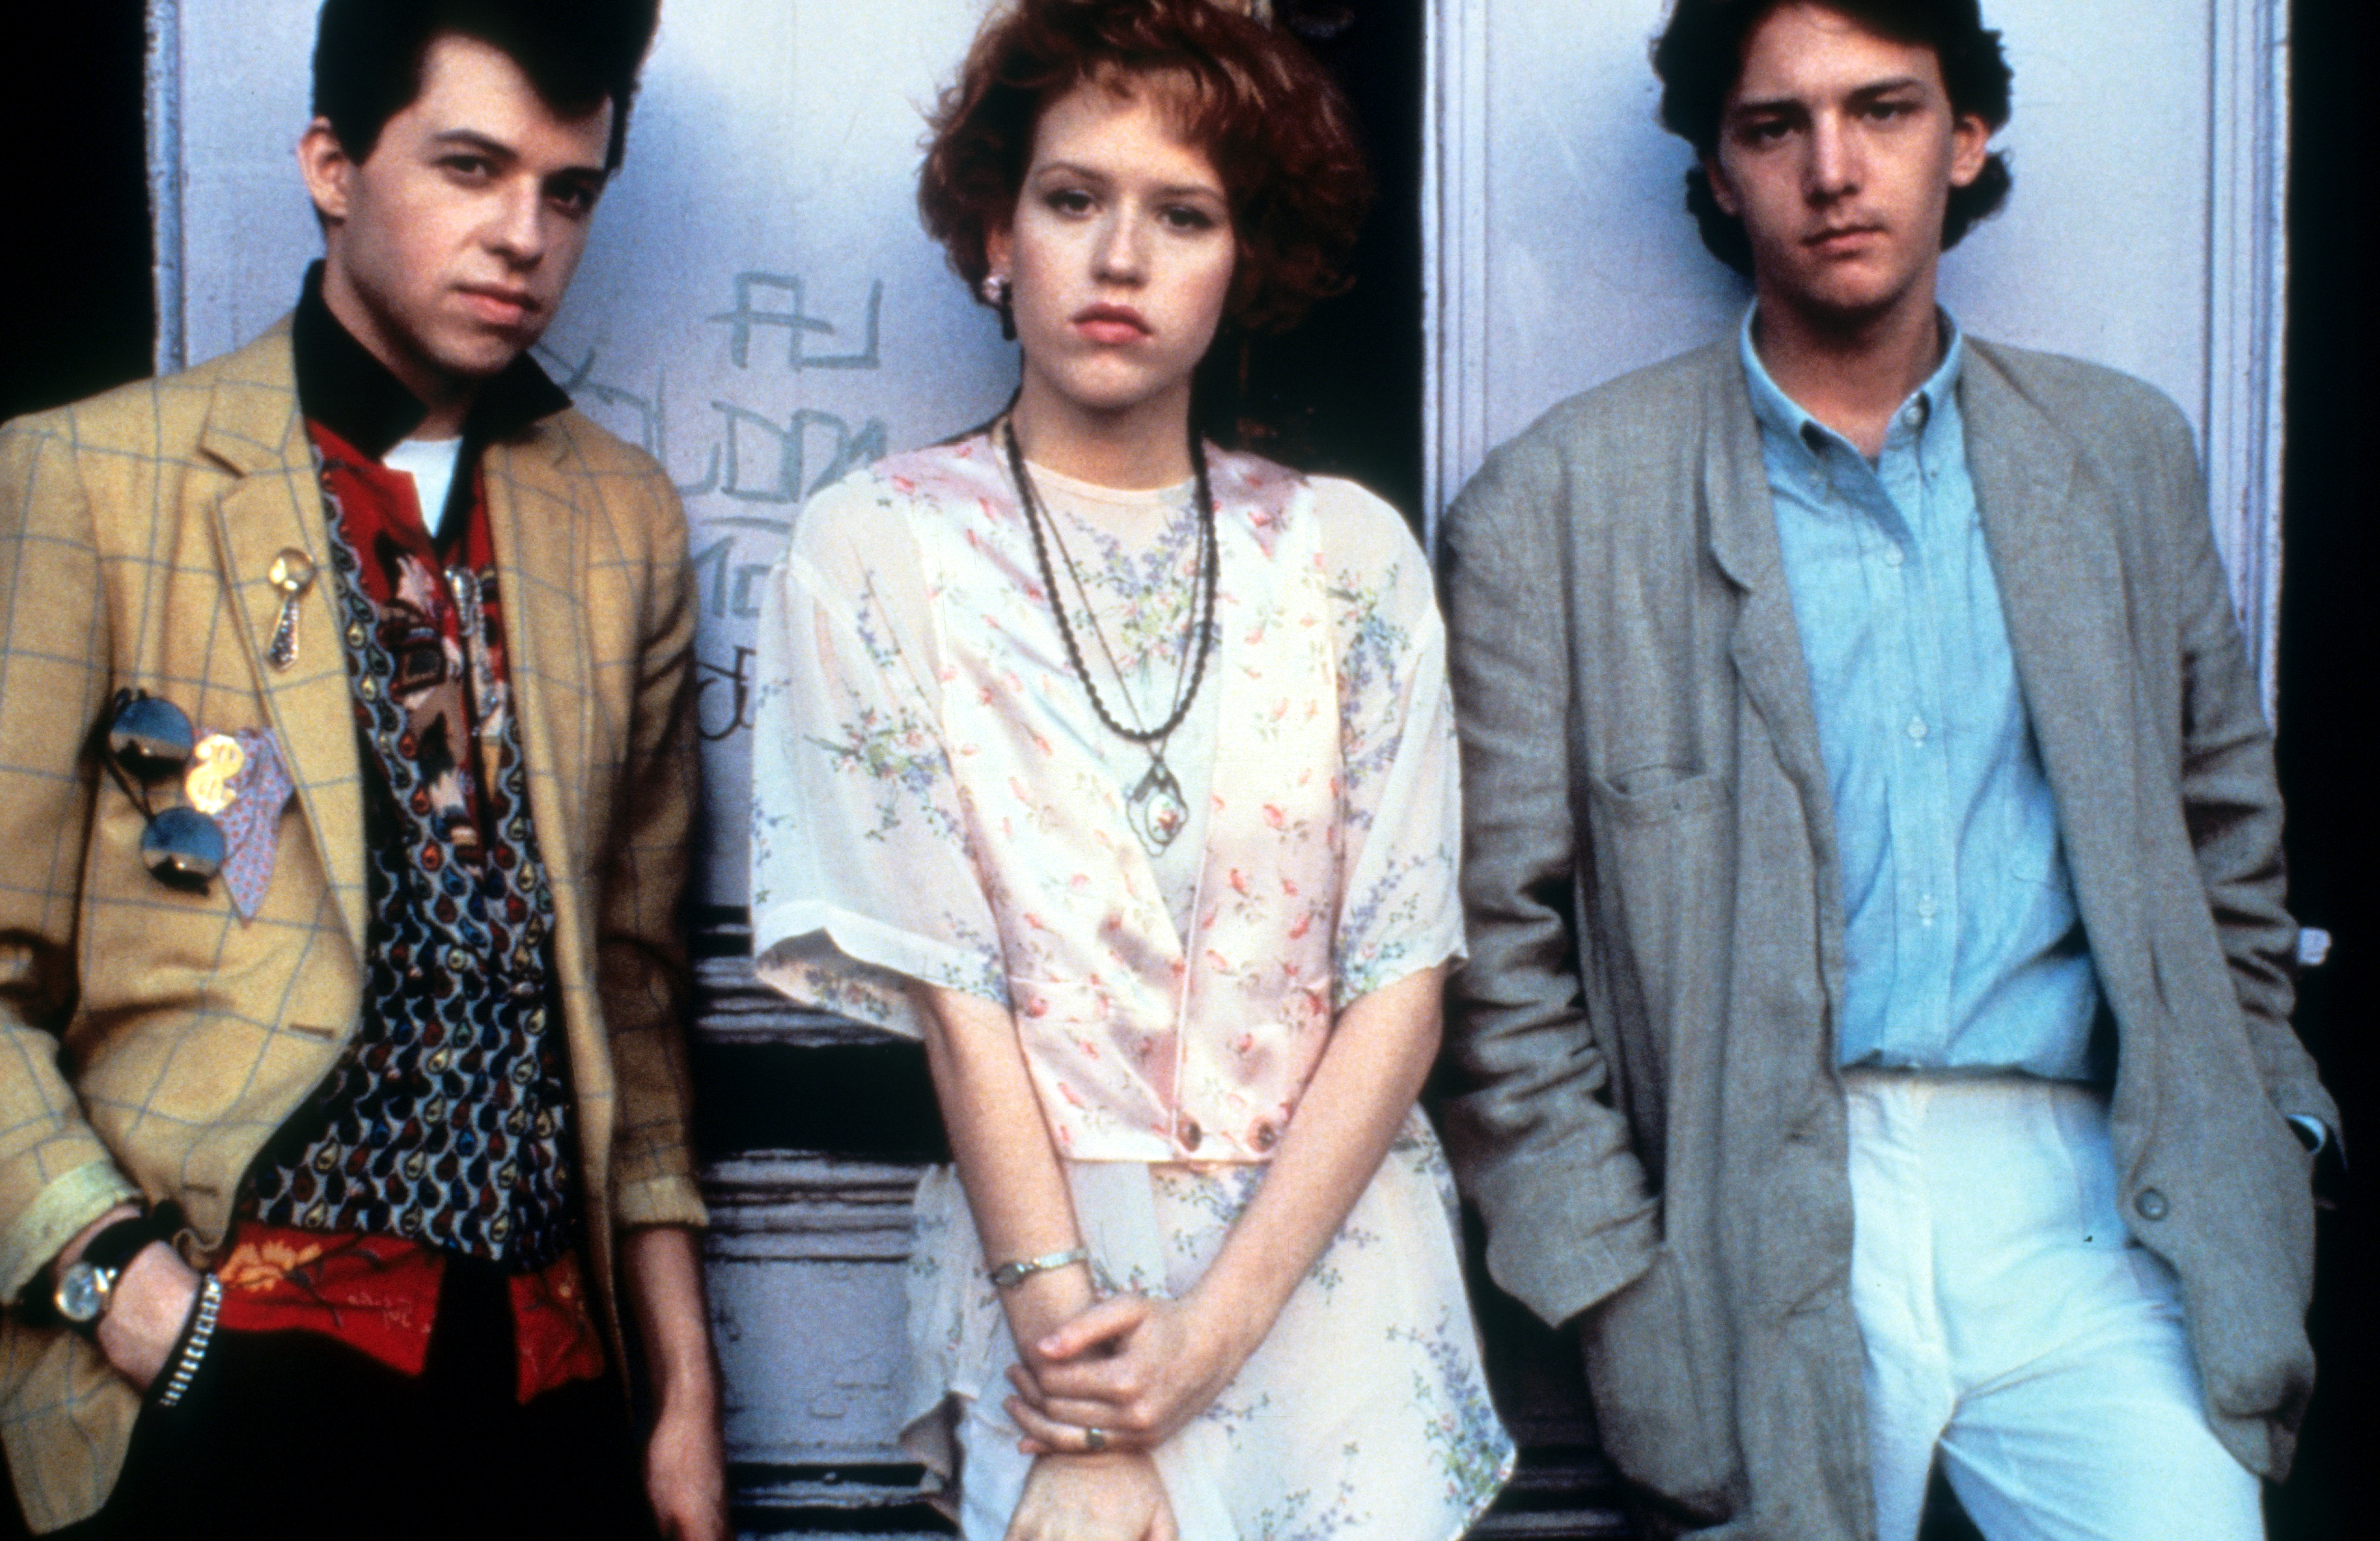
{"x": 1699, "y": 58}
{"x": 1248, "y": 94}
{"x": 578, "y": 53}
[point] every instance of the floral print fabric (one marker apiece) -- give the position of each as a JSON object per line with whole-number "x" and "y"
{"x": 1364, "y": 1413}
{"x": 935, "y": 799}
{"x": 379, "y": 1295}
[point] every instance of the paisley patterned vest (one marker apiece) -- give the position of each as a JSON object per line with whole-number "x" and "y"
{"x": 447, "y": 1121}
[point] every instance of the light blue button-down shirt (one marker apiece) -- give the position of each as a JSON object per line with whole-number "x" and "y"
{"x": 1964, "y": 947}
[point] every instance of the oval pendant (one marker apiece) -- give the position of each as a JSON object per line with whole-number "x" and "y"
{"x": 1157, "y": 811}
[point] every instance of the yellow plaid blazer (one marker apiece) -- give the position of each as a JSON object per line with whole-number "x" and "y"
{"x": 151, "y": 1039}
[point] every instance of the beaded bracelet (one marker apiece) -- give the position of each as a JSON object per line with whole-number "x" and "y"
{"x": 184, "y": 1364}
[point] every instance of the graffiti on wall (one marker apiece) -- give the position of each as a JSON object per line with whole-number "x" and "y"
{"x": 741, "y": 460}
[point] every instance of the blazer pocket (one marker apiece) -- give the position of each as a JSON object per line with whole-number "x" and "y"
{"x": 1659, "y": 885}
{"x": 1655, "y": 796}
{"x": 1654, "y": 1395}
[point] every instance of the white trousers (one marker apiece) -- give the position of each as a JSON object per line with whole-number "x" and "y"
{"x": 2012, "y": 1330}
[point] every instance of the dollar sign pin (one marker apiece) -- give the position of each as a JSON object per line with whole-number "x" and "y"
{"x": 292, "y": 573}
{"x": 214, "y": 764}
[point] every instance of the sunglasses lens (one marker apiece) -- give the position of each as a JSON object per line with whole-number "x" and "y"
{"x": 182, "y": 846}
{"x": 149, "y": 738}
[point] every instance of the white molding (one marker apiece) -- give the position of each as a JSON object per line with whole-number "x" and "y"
{"x": 805, "y": 1256}
{"x": 163, "y": 83}
{"x": 1454, "y": 211}
{"x": 803, "y": 1206}
{"x": 2247, "y": 292}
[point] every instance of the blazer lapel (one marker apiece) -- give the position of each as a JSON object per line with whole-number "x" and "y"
{"x": 2062, "y": 591}
{"x": 1765, "y": 643}
{"x": 253, "y": 425}
{"x": 533, "y": 522}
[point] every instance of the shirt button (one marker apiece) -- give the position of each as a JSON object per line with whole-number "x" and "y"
{"x": 1191, "y": 1134}
{"x": 2151, "y": 1205}
{"x": 1912, "y": 414}
{"x": 1917, "y": 730}
{"x": 1893, "y": 556}
{"x": 1927, "y": 908}
{"x": 1263, "y": 1137}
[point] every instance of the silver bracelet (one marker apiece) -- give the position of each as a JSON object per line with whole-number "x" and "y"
{"x": 194, "y": 1342}
{"x": 1010, "y": 1274}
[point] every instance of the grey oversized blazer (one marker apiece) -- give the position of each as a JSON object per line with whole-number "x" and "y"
{"x": 1649, "y": 1114}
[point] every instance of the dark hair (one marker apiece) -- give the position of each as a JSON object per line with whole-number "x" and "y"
{"x": 1700, "y": 56}
{"x": 1275, "y": 126}
{"x": 578, "y": 53}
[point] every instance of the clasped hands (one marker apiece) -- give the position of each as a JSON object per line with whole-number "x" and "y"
{"x": 1099, "y": 1392}
{"x": 1125, "y": 1374}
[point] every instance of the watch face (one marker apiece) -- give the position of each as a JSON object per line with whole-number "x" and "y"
{"x": 82, "y": 1292}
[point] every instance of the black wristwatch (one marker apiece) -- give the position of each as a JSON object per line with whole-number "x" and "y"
{"x": 84, "y": 1287}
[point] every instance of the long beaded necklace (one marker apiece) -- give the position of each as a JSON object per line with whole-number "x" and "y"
{"x": 1156, "y": 808}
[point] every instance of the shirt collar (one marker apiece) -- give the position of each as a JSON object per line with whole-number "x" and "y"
{"x": 1781, "y": 417}
{"x": 342, "y": 387}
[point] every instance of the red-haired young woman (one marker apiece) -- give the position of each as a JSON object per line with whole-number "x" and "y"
{"x": 1121, "y": 768}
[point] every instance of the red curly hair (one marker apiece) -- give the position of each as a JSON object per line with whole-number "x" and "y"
{"x": 1274, "y": 125}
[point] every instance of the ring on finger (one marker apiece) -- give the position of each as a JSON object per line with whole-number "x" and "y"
{"x": 1095, "y": 1441}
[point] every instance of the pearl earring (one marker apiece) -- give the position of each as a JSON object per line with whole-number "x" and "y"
{"x": 995, "y": 293}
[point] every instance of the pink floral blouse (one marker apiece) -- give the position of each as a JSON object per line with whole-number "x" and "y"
{"x": 934, "y": 798}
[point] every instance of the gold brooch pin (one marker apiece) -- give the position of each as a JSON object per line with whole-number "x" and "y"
{"x": 292, "y": 573}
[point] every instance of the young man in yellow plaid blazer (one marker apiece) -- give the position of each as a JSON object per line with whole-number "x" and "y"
{"x": 172, "y": 538}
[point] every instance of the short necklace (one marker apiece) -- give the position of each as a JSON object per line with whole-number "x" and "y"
{"x": 1156, "y": 808}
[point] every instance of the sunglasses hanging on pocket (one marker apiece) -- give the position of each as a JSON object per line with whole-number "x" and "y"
{"x": 150, "y": 743}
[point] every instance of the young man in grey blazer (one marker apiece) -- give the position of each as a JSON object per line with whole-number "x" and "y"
{"x": 1876, "y": 1034}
